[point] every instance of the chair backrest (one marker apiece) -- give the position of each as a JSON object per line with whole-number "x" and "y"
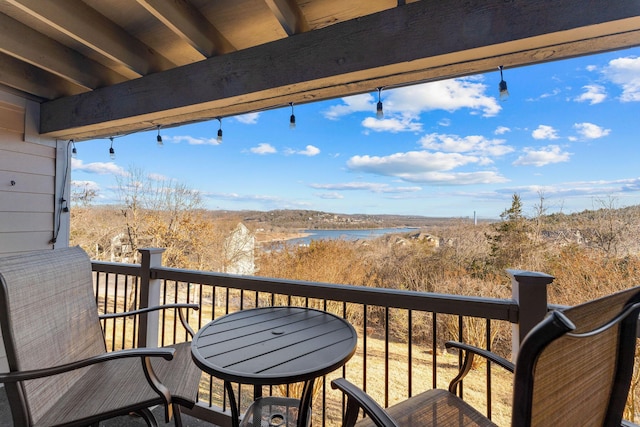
{"x": 49, "y": 317}
{"x": 575, "y": 367}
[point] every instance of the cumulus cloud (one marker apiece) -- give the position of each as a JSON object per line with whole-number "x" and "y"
{"x": 545, "y": 132}
{"x": 408, "y": 102}
{"x": 449, "y": 95}
{"x": 249, "y": 118}
{"x": 591, "y": 131}
{"x": 192, "y": 140}
{"x": 625, "y": 72}
{"x": 393, "y": 125}
{"x": 543, "y": 156}
{"x": 351, "y": 104}
{"x": 309, "y": 150}
{"x": 85, "y": 185}
{"x": 101, "y": 168}
{"x": 593, "y": 94}
{"x": 472, "y": 144}
{"x": 501, "y": 130}
{"x": 424, "y": 167}
{"x": 263, "y": 149}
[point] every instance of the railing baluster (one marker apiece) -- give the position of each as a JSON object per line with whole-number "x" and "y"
{"x": 372, "y": 303}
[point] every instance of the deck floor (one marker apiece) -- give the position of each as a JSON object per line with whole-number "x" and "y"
{"x": 126, "y": 421}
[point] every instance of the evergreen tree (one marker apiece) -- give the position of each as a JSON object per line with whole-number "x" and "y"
{"x": 511, "y": 243}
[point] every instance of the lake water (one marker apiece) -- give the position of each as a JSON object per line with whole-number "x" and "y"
{"x": 347, "y": 234}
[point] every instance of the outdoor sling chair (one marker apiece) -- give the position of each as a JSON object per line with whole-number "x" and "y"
{"x": 573, "y": 369}
{"x": 60, "y": 372}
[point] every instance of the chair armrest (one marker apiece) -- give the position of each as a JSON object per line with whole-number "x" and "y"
{"x": 165, "y": 353}
{"x": 356, "y": 399}
{"x": 139, "y": 311}
{"x": 469, "y": 353}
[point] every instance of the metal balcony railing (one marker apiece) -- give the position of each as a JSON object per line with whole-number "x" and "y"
{"x": 401, "y": 333}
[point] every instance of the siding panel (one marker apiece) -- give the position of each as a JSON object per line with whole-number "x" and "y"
{"x": 12, "y": 222}
{"x": 15, "y": 243}
{"x": 25, "y": 202}
{"x": 26, "y": 183}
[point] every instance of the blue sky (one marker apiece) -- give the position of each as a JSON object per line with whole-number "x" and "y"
{"x": 570, "y": 130}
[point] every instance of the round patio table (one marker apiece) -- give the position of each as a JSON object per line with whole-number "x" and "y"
{"x": 273, "y": 345}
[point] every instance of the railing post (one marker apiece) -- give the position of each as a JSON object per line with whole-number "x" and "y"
{"x": 529, "y": 290}
{"x": 149, "y": 297}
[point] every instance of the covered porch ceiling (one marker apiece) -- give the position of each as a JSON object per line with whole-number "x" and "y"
{"x": 104, "y": 68}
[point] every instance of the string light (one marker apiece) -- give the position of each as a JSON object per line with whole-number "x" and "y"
{"x": 74, "y": 152}
{"x": 502, "y": 86}
{"x": 379, "y": 112}
{"x": 220, "y": 131}
{"x": 159, "y": 138}
{"x": 292, "y": 119}
{"x": 112, "y": 152}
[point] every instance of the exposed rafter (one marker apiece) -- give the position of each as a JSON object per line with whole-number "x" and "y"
{"x": 28, "y": 45}
{"x": 82, "y": 23}
{"x": 186, "y": 21}
{"x": 289, "y": 15}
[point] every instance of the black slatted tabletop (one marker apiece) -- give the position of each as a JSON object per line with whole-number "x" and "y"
{"x": 274, "y": 345}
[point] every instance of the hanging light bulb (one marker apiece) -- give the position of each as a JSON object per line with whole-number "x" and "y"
{"x": 220, "y": 131}
{"x": 74, "y": 152}
{"x": 379, "y": 112}
{"x": 502, "y": 86}
{"x": 112, "y": 152}
{"x": 292, "y": 119}
{"x": 159, "y": 138}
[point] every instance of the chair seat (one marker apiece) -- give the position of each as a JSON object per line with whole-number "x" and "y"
{"x": 180, "y": 375}
{"x": 434, "y": 407}
{"x": 99, "y": 391}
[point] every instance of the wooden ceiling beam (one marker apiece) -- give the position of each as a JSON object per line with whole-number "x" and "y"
{"x": 187, "y": 22}
{"x": 289, "y": 15}
{"x": 85, "y": 25}
{"x": 29, "y": 79}
{"x": 26, "y": 44}
{"x": 425, "y": 40}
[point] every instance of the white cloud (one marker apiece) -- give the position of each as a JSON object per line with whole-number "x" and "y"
{"x": 594, "y": 189}
{"x": 473, "y": 144}
{"x": 393, "y": 125}
{"x": 424, "y": 167}
{"x": 88, "y": 185}
{"x": 191, "y": 140}
{"x": 309, "y": 150}
{"x": 545, "y": 132}
{"x": 366, "y": 186}
{"x": 330, "y": 196}
{"x": 249, "y": 118}
{"x": 158, "y": 177}
{"x": 408, "y": 102}
{"x": 263, "y": 148}
{"x": 543, "y": 156}
{"x": 591, "y": 131}
{"x": 449, "y": 95}
{"x": 625, "y": 72}
{"x": 501, "y": 130}
{"x": 101, "y": 168}
{"x": 351, "y": 104}
{"x": 594, "y": 94}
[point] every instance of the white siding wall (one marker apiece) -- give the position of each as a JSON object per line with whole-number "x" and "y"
{"x": 31, "y": 181}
